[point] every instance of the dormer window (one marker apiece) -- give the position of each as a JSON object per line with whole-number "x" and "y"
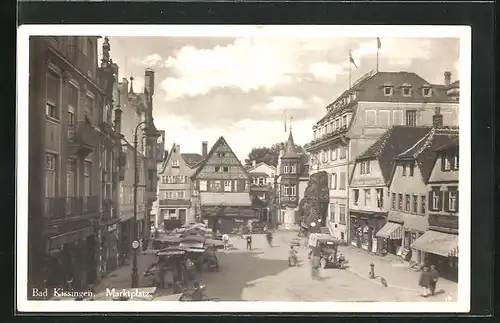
{"x": 406, "y": 91}
{"x": 388, "y": 90}
{"x": 427, "y": 91}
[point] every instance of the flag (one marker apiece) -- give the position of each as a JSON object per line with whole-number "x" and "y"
{"x": 379, "y": 44}
{"x": 352, "y": 60}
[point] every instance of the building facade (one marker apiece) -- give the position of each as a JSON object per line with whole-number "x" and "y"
{"x": 369, "y": 199}
{"x": 223, "y": 186}
{"x": 359, "y": 116}
{"x": 408, "y": 188}
{"x": 161, "y": 156}
{"x": 440, "y": 243}
{"x": 72, "y": 163}
{"x": 262, "y": 177}
{"x": 175, "y": 187}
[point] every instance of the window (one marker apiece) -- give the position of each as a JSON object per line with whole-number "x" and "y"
{"x": 315, "y": 134}
{"x": 293, "y": 169}
{"x": 289, "y": 190}
{"x": 380, "y": 197}
{"x": 393, "y": 201}
{"x": 215, "y": 186}
{"x": 356, "y": 196}
{"x": 344, "y": 120}
{"x": 435, "y": 200}
{"x": 180, "y": 195}
{"x": 50, "y": 175}
{"x": 422, "y": 205}
{"x": 455, "y": 161}
{"x": 364, "y": 168}
{"x": 203, "y": 186}
{"x": 407, "y": 202}
{"x": 342, "y": 181}
{"x": 397, "y": 117}
{"x": 337, "y": 124}
{"x": 227, "y": 186}
{"x": 332, "y": 212}
{"x": 404, "y": 170}
{"x": 333, "y": 154}
{"x": 89, "y": 105}
{"x": 325, "y": 156}
{"x": 71, "y": 174}
{"x": 334, "y": 181}
{"x": 179, "y": 179}
{"x": 221, "y": 154}
{"x": 368, "y": 197}
{"x": 371, "y": 116}
{"x": 286, "y": 169}
{"x": 343, "y": 152}
{"x": 342, "y": 214}
{"x": 260, "y": 180}
{"x": 400, "y": 201}
{"x": 225, "y": 169}
{"x": 53, "y": 92}
{"x": 406, "y": 91}
{"x": 383, "y": 118}
{"x": 175, "y": 163}
{"x": 72, "y": 104}
{"x": 87, "y": 174}
{"x": 411, "y": 118}
{"x": 453, "y": 200}
{"x": 163, "y": 179}
{"x": 414, "y": 203}
{"x": 411, "y": 169}
{"x": 388, "y": 91}
{"x": 427, "y": 91}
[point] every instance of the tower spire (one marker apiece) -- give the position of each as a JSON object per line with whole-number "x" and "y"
{"x": 131, "y": 84}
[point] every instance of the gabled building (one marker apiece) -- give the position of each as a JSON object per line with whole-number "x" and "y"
{"x": 262, "y": 178}
{"x": 408, "y": 188}
{"x": 223, "y": 185}
{"x": 175, "y": 187}
{"x": 440, "y": 243}
{"x": 369, "y": 194}
{"x": 359, "y": 116}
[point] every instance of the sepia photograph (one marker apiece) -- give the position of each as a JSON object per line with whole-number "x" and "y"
{"x": 246, "y": 168}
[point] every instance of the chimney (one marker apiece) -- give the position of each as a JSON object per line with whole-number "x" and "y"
{"x": 149, "y": 81}
{"x": 204, "y": 148}
{"x": 447, "y": 78}
{"x": 437, "y": 118}
{"x": 254, "y": 163}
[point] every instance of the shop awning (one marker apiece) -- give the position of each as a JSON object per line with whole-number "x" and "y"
{"x": 391, "y": 230}
{"x": 443, "y": 244}
{"x": 227, "y": 199}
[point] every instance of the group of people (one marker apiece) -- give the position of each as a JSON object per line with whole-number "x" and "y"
{"x": 248, "y": 238}
{"x": 428, "y": 280}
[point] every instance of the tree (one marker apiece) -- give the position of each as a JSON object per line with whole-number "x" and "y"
{"x": 269, "y": 155}
{"x": 308, "y": 206}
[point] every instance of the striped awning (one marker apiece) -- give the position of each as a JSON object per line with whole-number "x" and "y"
{"x": 439, "y": 243}
{"x": 391, "y": 230}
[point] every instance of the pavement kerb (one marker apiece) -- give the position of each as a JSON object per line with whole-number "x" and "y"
{"x": 377, "y": 281}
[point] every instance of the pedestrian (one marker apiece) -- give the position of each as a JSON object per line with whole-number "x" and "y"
{"x": 434, "y": 278}
{"x": 225, "y": 239}
{"x": 425, "y": 281}
{"x": 315, "y": 259}
{"x": 249, "y": 242}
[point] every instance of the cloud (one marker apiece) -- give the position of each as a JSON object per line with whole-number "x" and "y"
{"x": 325, "y": 71}
{"x": 284, "y": 103}
{"x": 152, "y": 60}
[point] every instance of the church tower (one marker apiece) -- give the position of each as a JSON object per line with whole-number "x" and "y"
{"x": 289, "y": 182}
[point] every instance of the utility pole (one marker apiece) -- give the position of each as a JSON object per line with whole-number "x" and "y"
{"x": 135, "y": 243}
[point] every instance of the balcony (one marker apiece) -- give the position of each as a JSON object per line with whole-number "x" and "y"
{"x": 59, "y": 208}
{"x": 444, "y": 221}
{"x": 81, "y": 139}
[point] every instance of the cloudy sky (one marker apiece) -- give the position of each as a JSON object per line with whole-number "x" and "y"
{"x": 242, "y": 87}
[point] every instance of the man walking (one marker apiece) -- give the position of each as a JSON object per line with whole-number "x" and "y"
{"x": 434, "y": 278}
{"x": 249, "y": 242}
{"x": 225, "y": 239}
{"x": 425, "y": 281}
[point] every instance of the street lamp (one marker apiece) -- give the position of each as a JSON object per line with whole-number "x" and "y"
{"x": 318, "y": 204}
{"x": 135, "y": 243}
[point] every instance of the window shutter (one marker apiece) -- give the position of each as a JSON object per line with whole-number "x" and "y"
{"x": 440, "y": 201}
{"x": 431, "y": 208}
{"x": 446, "y": 201}
{"x": 456, "y": 202}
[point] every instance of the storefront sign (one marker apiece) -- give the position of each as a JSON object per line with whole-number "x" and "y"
{"x": 444, "y": 221}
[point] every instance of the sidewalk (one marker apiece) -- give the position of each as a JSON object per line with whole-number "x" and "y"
{"x": 122, "y": 277}
{"x": 396, "y": 273}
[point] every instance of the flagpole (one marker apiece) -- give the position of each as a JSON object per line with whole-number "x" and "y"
{"x": 350, "y": 72}
{"x": 377, "y": 57}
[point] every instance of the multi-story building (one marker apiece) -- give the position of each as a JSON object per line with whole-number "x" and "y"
{"x": 223, "y": 185}
{"x": 356, "y": 119}
{"x": 72, "y": 160}
{"x": 161, "y": 156}
{"x": 261, "y": 188}
{"x": 369, "y": 194}
{"x": 440, "y": 243}
{"x": 408, "y": 188}
{"x": 291, "y": 182}
{"x": 137, "y": 167}
{"x": 175, "y": 188}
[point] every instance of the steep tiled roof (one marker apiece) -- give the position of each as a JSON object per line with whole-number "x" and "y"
{"x": 394, "y": 141}
{"x": 290, "y": 150}
{"x": 424, "y": 151}
{"x": 450, "y": 145}
{"x": 192, "y": 159}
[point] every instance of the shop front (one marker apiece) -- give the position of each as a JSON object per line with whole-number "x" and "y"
{"x": 441, "y": 250}
{"x": 364, "y": 226}
{"x": 391, "y": 235}
{"x": 414, "y": 227}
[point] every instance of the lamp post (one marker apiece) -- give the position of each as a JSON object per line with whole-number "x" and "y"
{"x": 318, "y": 204}
{"x": 135, "y": 243}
